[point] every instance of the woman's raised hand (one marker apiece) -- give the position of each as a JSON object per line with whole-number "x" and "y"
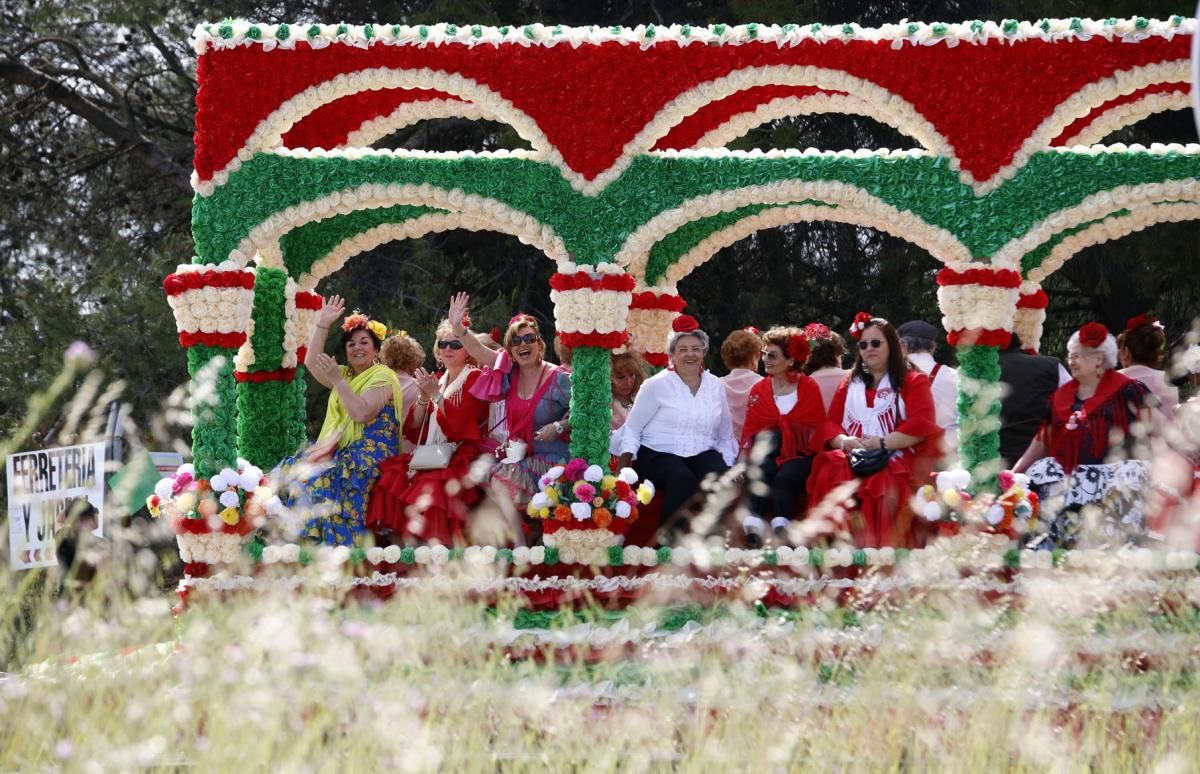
{"x": 326, "y": 369}
{"x": 458, "y": 311}
{"x": 427, "y": 383}
{"x": 331, "y": 311}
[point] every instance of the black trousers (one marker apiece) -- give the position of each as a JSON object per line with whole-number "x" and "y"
{"x": 677, "y": 478}
{"x": 785, "y": 482}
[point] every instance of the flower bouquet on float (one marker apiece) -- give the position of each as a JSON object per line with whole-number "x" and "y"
{"x": 587, "y": 510}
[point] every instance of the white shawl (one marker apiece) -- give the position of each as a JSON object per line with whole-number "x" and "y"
{"x": 861, "y": 420}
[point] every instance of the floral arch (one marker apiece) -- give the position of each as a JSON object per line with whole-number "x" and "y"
{"x": 627, "y": 186}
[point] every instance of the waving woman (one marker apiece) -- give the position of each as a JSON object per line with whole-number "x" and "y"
{"x": 359, "y": 431}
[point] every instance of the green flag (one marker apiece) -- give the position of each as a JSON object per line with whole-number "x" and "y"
{"x": 132, "y": 484}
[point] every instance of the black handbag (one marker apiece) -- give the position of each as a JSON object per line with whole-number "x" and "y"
{"x": 867, "y": 462}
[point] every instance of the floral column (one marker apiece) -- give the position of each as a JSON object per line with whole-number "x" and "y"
{"x": 1031, "y": 315}
{"x": 650, "y": 316}
{"x": 978, "y": 305}
{"x": 591, "y": 305}
{"x": 212, "y": 306}
{"x": 266, "y": 370}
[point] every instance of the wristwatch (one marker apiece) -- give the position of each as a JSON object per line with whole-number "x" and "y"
{"x": 558, "y": 428}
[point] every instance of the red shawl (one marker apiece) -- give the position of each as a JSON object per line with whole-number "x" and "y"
{"x": 800, "y": 430}
{"x": 1109, "y": 407}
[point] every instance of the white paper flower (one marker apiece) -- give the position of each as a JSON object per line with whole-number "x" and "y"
{"x": 218, "y": 483}
{"x": 391, "y": 554}
{"x": 581, "y": 511}
{"x": 439, "y": 554}
{"x": 375, "y": 554}
{"x": 649, "y": 556}
{"x": 932, "y": 512}
{"x": 623, "y": 510}
{"x": 631, "y": 555}
{"x": 537, "y": 554}
{"x": 163, "y": 489}
{"x": 291, "y": 553}
{"x": 423, "y": 555}
{"x": 593, "y": 474}
{"x": 681, "y": 557}
{"x": 187, "y": 468}
{"x": 488, "y": 554}
{"x": 229, "y": 476}
{"x": 540, "y": 500}
{"x": 249, "y": 478}
{"x": 628, "y": 475}
{"x": 229, "y": 499}
{"x": 994, "y": 514}
{"x": 521, "y": 555}
{"x": 270, "y": 554}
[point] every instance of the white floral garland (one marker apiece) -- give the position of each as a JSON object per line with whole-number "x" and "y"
{"x": 854, "y": 204}
{"x": 373, "y": 130}
{"x": 965, "y": 307}
{"x": 209, "y": 36}
{"x": 1128, "y": 114}
{"x": 1099, "y": 205}
{"x": 650, "y": 328}
{"x": 1114, "y": 228}
{"x": 210, "y": 547}
{"x": 291, "y": 330}
{"x": 496, "y": 215}
{"x": 212, "y": 309}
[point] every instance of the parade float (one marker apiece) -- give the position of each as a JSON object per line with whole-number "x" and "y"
{"x": 627, "y": 188}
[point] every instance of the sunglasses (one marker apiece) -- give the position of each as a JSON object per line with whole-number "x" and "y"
{"x": 872, "y": 343}
{"x": 450, "y": 345}
{"x": 770, "y": 354}
{"x": 528, "y": 338}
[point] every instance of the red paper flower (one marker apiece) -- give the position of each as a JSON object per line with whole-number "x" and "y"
{"x": 861, "y": 320}
{"x": 798, "y": 348}
{"x": 496, "y": 334}
{"x": 1092, "y": 334}
{"x": 1142, "y": 319}
{"x": 685, "y": 323}
{"x": 817, "y": 331}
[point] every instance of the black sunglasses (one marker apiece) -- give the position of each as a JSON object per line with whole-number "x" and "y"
{"x": 872, "y": 343}
{"x": 450, "y": 345}
{"x": 528, "y": 338}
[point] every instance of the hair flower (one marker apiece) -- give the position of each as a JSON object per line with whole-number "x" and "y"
{"x": 1092, "y": 334}
{"x": 817, "y": 331}
{"x": 685, "y": 323}
{"x": 379, "y": 329}
{"x": 861, "y": 321}
{"x": 752, "y": 329}
{"x": 797, "y": 348}
{"x": 356, "y": 320}
{"x": 1142, "y": 319}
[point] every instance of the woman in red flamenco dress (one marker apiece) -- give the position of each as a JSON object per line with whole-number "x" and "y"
{"x": 867, "y": 412}
{"x": 431, "y": 505}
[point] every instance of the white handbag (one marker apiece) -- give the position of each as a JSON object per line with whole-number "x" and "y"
{"x": 432, "y": 456}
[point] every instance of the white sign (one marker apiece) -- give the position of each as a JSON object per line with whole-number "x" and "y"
{"x": 44, "y": 487}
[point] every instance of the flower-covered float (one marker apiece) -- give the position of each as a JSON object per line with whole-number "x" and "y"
{"x": 628, "y": 188}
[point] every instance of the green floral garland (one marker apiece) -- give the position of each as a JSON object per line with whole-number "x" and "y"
{"x": 311, "y": 242}
{"x": 979, "y": 414}
{"x": 591, "y": 404}
{"x": 297, "y": 436}
{"x": 266, "y": 417}
{"x": 213, "y": 398}
{"x": 270, "y": 304}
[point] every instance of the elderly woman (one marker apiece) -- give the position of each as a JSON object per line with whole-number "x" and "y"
{"x": 885, "y": 404}
{"x": 785, "y": 420}
{"x": 628, "y": 374}
{"x": 359, "y": 432}
{"x": 679, "y": 431}
{"x": 740, "y": 352}
{"x": 824, "y": 364}
{"x": 1141, "y": 347}
{"x": 422, "y": 495}
{"x": 1068, "y": 457}
{"x": 402, "y": 354}
{"x": 536, "y": 396}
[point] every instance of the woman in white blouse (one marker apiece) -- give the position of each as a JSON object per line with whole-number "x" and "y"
{"x": 679, "y": 430}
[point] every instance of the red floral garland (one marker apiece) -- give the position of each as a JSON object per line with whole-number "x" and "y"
{"x": 991, "y": 278}
{"x": 979, "y": 337}
{"x": 186, "y": 526}
{"x": 657, "y": 359}
{"x": 648, "y": 299}
{"x": 182, "y": 282}
{"x": 620, "y": 283}
{"x": 600, "y": 340}
{"x": 258, "y": 377}
{"x": 309, "y": 301}
{"x": 208, "y": 339}
{"x": 1038, "y": 300}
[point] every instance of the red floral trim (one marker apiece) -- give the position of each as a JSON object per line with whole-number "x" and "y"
{"x": 192, "y": 570}
{"x": 991, "y": 278}
{"x": 258, "y": 377}
{"x": 175, "y": 284}
{"x": 648, "y": 299}
{"x": 222, "y": 340}
{"x": 657, "y": 359}
{"x": 620, "y": 283}
{"x": 301, "y": 354}
{"x": 1038, "y": 300}
{"x": 599, "y": 340}
{"x": 200, "y": 527}
{"x": 309, "y": 301}
{"x": 979, "y": 337}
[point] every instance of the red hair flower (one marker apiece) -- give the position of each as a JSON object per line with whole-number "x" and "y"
{"x": 752, "y": 329}
{"x": 496, "y": 334}
{"x": 861, "y": 321}
{"x": 685, "y": 323}
{"x": 817, "y": 330}
{"x": 518, "y": 317}
{"x": 798, "y": 348}
{"x": 1093, "y": 335}
{"x": 1142, "y": 319}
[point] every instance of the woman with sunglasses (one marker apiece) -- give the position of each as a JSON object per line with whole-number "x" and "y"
{"x": 431, "y": 505}
{"x": 785, "y": 422}
{"x": 536, "y": 396}
{"x": 884, "y": 403}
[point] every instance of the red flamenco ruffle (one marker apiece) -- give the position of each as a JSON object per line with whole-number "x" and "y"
{"x": 979, "y": 337}
{"x": 650, "y": 300}
{"x": 443, "y": 516}
{"x": 991, "y": 278}
{"x": 207, "y": 339}
{"x": 175, "y": 284}
{"x": 582, "y": 280}
{"x": 598, "y": 340}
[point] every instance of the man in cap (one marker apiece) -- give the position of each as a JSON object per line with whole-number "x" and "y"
{"x": 920, "y": 341}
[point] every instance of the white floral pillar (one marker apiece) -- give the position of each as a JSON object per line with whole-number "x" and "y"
{"x": 651, "y": 312}
{"x": 1031, "y": 316}
{"x": 979, "y": 306}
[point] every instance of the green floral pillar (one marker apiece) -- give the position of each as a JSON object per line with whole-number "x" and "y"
{"x": 212, "y": 397}
{"x": 979, "y": 412}
{"x": 591, "y": 404}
